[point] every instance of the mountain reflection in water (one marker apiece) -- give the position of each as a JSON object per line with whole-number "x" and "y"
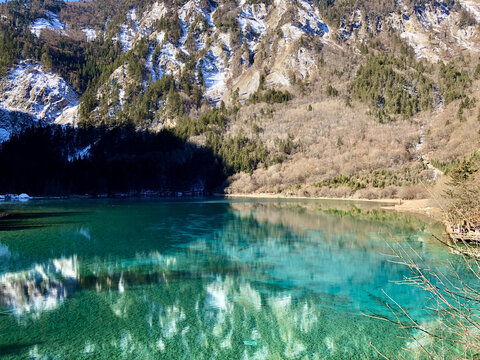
{"x": 208, "y": 280}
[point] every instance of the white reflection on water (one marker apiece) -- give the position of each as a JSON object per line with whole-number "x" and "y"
{"x": 268, "y": 283}
{"x": 41, "y": 288}
{"x": 221, "y": 311}
{"x": 217, "y": 295}
{"x": 168, "y": 320}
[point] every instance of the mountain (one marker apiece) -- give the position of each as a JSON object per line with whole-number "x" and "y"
{"x": 37, "y": 92}
{"x": 327, "y": 97}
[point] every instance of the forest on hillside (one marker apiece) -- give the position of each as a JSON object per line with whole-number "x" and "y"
{"x": 57, "y": 161}
{"x": 349, "y": 127}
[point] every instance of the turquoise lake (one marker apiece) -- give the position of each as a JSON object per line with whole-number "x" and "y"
{"x": 205, "y": 279}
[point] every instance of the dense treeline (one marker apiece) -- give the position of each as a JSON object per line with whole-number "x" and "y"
{"x": 58, "y": 161}
{"x": 391, "y": 87}
{"x": 402, "y": 86}
{"x": 335, "y": 10}
{"x": 270, "y": 96}
{"x": 453, "y": 81}
{"x": 376, "y": 179}
{"x": 16, "y": 43}
{"x": 238, "y": 152}
{"x": 99, "y": 160}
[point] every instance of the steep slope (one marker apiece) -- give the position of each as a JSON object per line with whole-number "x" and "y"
{"x": 360, "y": 80}
{"x": 225, "y": 53}
{"x": 225, "y": 46}
{"x": 49, "y": 22}
{"x": 33, "y": 94}
{"x": 220, "y": 47}
{"x": 13, "y": 122}
{"x": 31, "y": 89}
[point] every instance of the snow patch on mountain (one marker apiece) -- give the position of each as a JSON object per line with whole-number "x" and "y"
{"x": 4, "y": 135}
{"x": 90, "y": 34}
{"x": 160, "y": 37}
{"x": 473, "y": 7}
{"x": 190, "y": 10}
{"x": 128, "y": 31}
{"x": 251, "y": 20}
{"x": 132, "y": 15}
{"x": 50, "y": 22}
{"x": 80, "y": 154}
{"x": 121, "y": 97}
{"x": 215, "y": 76}
{"x": 69, "y": 116}
{"x": 291, "y": 33}
{"x": 167, "y": 60}
{"x": 276, "y": 78}
{"x": 310, "y": 20}
{"x": 149, "y": 64}
{"x": 157, "y": 11}
{"x": 419, "y": 42}
{"x": 432, "y": 14}
{"x": 226, "y": 41}
{"x": 30, "y": 89}
{"x": 188, "y": 14}
{"x": 348, "y": 27}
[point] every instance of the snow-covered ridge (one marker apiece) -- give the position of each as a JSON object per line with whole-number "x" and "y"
{"x": 216, "y": 65}
{"x": 429, "y": 28}
{"x": 31, "y": 89}
{"x": 252, "y": 22}
{"x": 234, "y": 56}
{"x": 49, "y": 22}
{"x": 13, "y": 122}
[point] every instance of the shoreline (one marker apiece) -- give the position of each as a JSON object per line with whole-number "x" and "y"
{"x": 282, "y": 196}
{"x": 416, "y": 206}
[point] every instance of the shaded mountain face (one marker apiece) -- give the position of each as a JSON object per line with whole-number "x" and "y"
{"x": 344, "y": 68}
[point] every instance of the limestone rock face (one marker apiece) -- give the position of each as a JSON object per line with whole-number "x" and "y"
{"x": 31, "y": 93}
{"x": 235, "y": 46}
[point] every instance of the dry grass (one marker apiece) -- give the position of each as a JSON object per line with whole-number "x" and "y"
{"x": 335, "y": 138}
{"x": 332, "y": 139}
{"x": 447, "y": 138}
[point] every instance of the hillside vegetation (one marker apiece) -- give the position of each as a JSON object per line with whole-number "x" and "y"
{"x": 322, "y": 98}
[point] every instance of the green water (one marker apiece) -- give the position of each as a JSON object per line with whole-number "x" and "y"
{"x": 209, "y": 279}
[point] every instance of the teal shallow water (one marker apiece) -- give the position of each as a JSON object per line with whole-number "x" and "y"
{"x": 204, "y": 279}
